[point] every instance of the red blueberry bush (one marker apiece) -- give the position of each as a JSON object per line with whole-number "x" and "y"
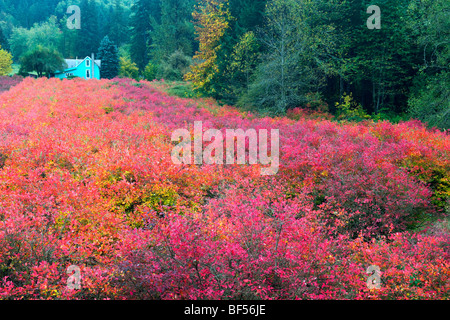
{"x": 86, "y": 179}
{"x": 6, "y": 82}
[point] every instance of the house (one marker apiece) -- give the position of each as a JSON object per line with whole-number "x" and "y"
{"x": 86, "y": 68}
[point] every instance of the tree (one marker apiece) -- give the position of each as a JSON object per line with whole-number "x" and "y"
{"x": 3, "y": 41}
{"x": 175, "y": 30}
{"x": 46, "y": 34}
{"x": 248, "y": 16}
{"x": 44, "y": 61}
{"x": 143, "y": 13}
{"x": 245, "y": 59}
{"x": 287, "y": 73}
{"x": 5, "y": 62}
{"x": 128, "y": 69}
{"x": 245, "y": 16}
{"x": 118, "y": 28}
{"x": 429, "y": 21}
{"x": 150, "y": 72}
{"x": 212, "y": 19}
{"x": 375, "y": 65}
{"x": 385, "y": 59}
{"x": 176, "y": 66}
{"x": 109, "y": 55}
{"x": 88, "y": 36}
{"x": 431, "y": 101}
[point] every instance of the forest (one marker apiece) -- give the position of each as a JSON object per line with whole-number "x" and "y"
{"x": 265, "y": 55}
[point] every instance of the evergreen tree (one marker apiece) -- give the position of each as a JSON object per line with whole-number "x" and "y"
{"x": 143, "y": 13}
{"x": 3, "y": 41}
{"x": 175, "y": 31}
{"x": 429, "y": 100}
{"x": 383, "y": 60}
{"x": 89, "y": 35}
{"x": 118, "y": 28}
{"x": 375, "y": 65}
{"x": 248, "y": 16}
{"x": 109, "y": 56}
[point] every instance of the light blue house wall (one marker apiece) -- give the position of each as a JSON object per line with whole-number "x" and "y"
{"x": 84, "y": 68}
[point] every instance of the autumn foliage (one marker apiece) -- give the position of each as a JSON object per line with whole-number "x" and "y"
{"x": 7, "y": 82}
{"x": 86, "y": 179}
{"x": 212, "y": 18}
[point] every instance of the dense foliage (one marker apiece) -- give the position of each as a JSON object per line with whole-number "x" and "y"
{"x": 86, "y": 179}
{"x": 43, "y": 61}
{"x": 5, "y": 62}
{"x": 312, "y": 51}
{"x": 109, "y": 56}
{"x": 3, "y": 41}
{"x": 266, "y": 55}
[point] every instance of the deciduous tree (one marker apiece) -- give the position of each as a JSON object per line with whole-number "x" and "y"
{"x": 287, "y": 73}
{"x": 5, "y": 62}
{"x": 44, "y": 61}
{"x": 128, "y": 69}
{"x": 212, "y": 19}
{"x": 46, "y": 34}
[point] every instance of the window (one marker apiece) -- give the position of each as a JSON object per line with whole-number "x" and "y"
{"x": 88, "y": 63}
{"x": 88, "y": 74}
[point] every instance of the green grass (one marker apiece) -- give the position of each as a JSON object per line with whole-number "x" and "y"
{"x": 181, "y": 89}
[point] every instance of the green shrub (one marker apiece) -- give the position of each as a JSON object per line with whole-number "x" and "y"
{"x": 431, "y": 100}
{"x": 128, "y": 69}
{"x": 150, "y": 71}
{"x": 176, "y": 66}
{"x": 350, "y": 110}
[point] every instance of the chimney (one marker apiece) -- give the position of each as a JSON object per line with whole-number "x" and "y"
{"x": 93, "y": 66}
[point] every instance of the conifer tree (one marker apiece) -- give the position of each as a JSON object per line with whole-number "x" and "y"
{"x": 3, "y": 41}
{"x": 88, "y": 35}
{"x": 175, "y": 31}
{"x": 109, "y": 56}
{"x": 118, "y": 26}
{"x": 143, "y": 13}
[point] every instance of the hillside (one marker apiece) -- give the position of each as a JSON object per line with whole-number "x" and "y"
{"x": 87, "y": 180}
{"x": 24, "y": 13}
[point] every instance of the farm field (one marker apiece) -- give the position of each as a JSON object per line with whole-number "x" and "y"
{"x": 87, "y": 180}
